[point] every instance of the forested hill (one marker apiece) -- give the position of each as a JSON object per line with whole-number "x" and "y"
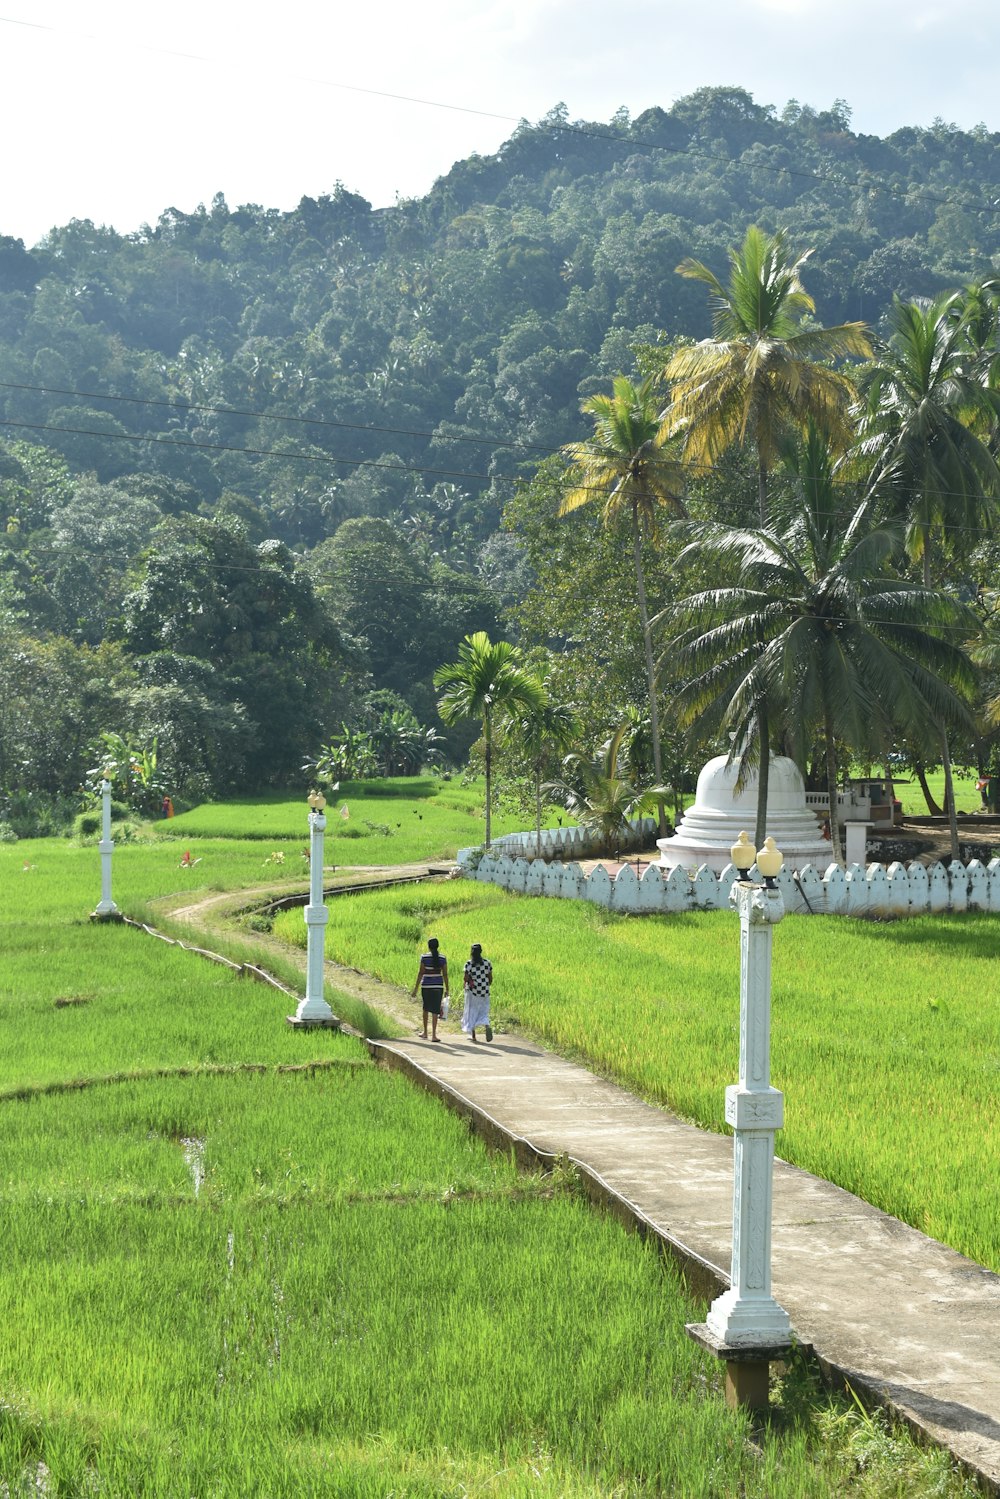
{"x": 338, "y": 363}
{"x": 405, "y": 336}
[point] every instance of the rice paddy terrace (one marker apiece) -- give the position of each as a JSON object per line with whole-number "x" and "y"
{"x": 240, "y": 1258}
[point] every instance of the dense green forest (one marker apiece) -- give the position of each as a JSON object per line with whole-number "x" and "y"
{"x": 261, "y": 472}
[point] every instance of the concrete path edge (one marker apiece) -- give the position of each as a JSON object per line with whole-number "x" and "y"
{"x": 700, "y": 1276}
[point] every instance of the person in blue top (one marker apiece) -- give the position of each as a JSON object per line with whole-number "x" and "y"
{"x": 432, "y": 981}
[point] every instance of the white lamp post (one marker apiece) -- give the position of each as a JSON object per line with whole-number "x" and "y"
{"x": 745, "y": 1325}
{"x": 106, "y": 906}
{"x": 314, "y": 1010}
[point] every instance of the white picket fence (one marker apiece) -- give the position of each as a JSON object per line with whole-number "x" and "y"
{"x": 900, "y": 890}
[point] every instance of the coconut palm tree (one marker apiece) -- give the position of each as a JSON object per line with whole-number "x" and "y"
{"x": 986, "y": 654}
{"x": 978, "y": 307}
{"x": 624, "y": 467}
{"x": 922, "y": 398}
{"x": 487, "y": 681}
{"x": 543, "y": 733}
{"x": 763, "y": 374}
{"x": 823, "y": 633}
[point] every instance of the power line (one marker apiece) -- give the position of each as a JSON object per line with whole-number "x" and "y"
{"x": 268, "y": 416}
{"x": 219, "y": 62}
{"x": 701, "y": 470}
{"x": 454, "y": 585}
{"x": 221, "y": 447}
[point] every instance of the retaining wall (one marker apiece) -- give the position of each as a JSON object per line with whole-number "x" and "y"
{"x": 567, "y": 843}
{"x": 899, "y": 890}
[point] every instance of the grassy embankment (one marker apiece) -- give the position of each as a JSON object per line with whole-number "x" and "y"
{"x": 222, "y": 1277}
{"x": 398, "y": 821}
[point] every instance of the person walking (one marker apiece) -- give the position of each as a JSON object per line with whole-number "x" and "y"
{"x": 478, "y": 978}
{"x": 432, "y": 981}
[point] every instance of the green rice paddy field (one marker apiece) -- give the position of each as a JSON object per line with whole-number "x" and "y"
{"x": 239, "y": 1260}
{"x": 885, "y": 1037}
{"x": 394, "y": 821}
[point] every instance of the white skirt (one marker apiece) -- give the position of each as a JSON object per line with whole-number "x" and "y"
{"x": 476, "y": 1011}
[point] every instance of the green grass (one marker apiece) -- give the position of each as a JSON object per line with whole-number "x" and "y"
{"x": 881, "y": 1040}
{"x": 350, "y": 1264}
{"x": 426, "y": 818}
{"x": 320, "y": 1283}
{"x": 908, "y": 792}
{"x": 237, "y": 1259}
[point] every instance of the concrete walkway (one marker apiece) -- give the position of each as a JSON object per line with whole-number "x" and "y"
{"x": 905, "y": 1320}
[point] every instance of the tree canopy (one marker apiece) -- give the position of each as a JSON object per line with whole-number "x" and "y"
{"x": 366, "y": 393}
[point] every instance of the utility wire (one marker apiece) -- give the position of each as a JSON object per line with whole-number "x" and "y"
{"x": 221, "y": 447}
{"x": 268, "y": 416}
{"x": 452, "y": 586}
{"x": 317, "y": 459}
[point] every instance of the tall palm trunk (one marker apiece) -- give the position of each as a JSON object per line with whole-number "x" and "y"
{"x": 488, "y": 736}
{"x": 949, "y": 784}
{"x": 831, "y": 781}
{"x": 647, "y": 641}
{"x": 763, "y": 774}
{"x": 949, "y": 793}
{"x": 762, "y": 490}
{"x": 921, "y": 775}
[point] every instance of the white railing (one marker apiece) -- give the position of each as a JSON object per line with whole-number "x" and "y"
{"x": 898, "y": 891}
{"x": 852, "y": 805}
{"x": 566, "y": 843}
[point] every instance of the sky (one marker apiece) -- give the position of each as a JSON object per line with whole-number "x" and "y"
{"x": 114, "y": 111}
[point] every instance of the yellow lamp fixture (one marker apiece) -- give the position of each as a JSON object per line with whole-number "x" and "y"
{"x": 769, "y": 861}
{"x": 742, "y": 854}
{"x": 316, "y": 800}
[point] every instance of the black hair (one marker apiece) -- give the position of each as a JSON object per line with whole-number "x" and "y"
{"x": 433, "y": 945}
{"x": 477, "y": 951}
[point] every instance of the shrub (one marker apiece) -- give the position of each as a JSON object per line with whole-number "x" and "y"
{"x": 38, "y": 814}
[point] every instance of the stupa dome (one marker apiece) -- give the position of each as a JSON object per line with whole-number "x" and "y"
{"x": 708, "y": 829}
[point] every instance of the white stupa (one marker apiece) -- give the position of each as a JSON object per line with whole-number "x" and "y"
{"x": 708, "y": 829}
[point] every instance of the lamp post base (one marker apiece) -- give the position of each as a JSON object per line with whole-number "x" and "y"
{"x": 748, "y": 1366}
{"x": 313, "y": 1023}
{"x": 738, "y": 1320}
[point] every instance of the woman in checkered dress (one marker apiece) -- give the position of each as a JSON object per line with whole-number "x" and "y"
{"x": 478, "y": 978}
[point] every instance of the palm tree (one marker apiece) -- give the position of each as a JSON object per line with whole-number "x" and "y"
{"x": 542, "y": 733}
{"x": 763, "y": 374}
{"x": 487, "y": 680}
{"x": 818, "y": 628}
{"x": 977, "y": 306}
{"x": 598, "y": 796}
{"x": 986, "y": 654}
{"x": 922, "y": 397}
{"x": 624, "y": 465}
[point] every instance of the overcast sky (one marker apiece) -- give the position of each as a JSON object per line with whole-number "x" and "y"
{"x": 114, "y": 110}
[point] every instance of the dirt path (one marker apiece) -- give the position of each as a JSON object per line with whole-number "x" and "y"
{"x": 215, "y": 912}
